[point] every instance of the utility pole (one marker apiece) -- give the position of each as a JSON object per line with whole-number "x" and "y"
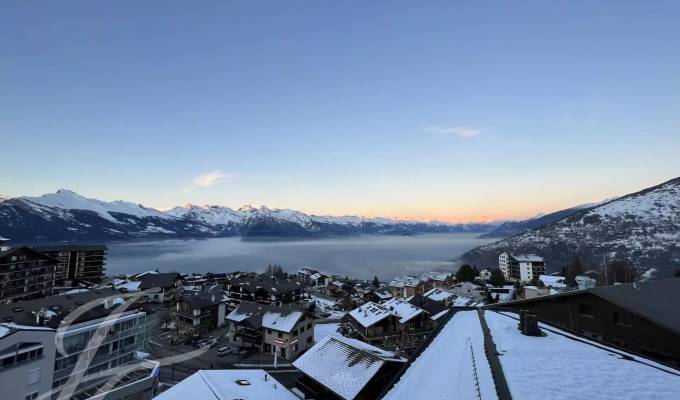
{"x": 606, "y": 276}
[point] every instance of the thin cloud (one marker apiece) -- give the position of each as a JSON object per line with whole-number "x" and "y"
{"x": 458, "y": 131}
{"x": 210, "y": 178}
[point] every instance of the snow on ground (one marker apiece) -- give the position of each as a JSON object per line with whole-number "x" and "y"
{"x": 557, "y": 367}
{"x": 321, "y": 331}
{"x": 444, "y": 370}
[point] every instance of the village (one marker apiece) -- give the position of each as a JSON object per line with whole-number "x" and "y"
{"x": 311, "y": 335}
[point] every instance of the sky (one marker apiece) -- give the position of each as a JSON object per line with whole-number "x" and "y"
{"x": 447, "y": 110}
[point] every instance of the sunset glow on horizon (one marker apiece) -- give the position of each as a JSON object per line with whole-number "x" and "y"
{"x": 452, "y": 111}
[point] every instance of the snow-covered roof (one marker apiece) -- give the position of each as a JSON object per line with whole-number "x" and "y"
{"x": 238, "y": 314}
{"x": 344, "y": 365}
{"x": 446, "y": 368}
{"x": 277, "y": 318}
{"x": 436, "y": 276}
{"x": 543, "y": 367}
{"x": 403, "y": 309}
{"x": 405, "y": 281}
{"x": 281, "y": 321}
{"x": 527, "y": 257}
{"x": 438, "y": 294}
{"x": 370, "y": 313}
{"x": 131, "y": 286}
{"x": 554, "y": 281}
{"x": 321, "y": 331}
{"x": 245, "y": 384}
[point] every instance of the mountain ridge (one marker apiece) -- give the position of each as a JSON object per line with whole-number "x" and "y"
{"x": 68, "y": 216}
{"x": 642, "y": 227}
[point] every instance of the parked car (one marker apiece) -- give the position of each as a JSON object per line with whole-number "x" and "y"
{"x": 223, "y": 351}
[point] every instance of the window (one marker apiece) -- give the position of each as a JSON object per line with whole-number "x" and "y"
{"x": 31, "y": 396}
{"x": 309, "y": 326}
{"x": 309, "y": 339}
{"x": 280, "y": 335}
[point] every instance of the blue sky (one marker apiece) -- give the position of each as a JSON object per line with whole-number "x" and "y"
{"x": 462, "y": 110}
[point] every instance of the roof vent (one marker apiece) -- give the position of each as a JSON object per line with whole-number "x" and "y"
{"x": 18, "y": 309}
{"x": 242, "y": 382}
{"x": 8, "y": 319}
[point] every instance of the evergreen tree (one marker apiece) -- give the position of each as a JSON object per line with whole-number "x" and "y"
{"x": 465, "y": 274}
{"x": 574, "y": 269}
{"x": 376, "y": 282}
{"x": 497, "y": 277}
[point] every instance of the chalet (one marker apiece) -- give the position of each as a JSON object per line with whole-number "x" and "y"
{"x": 264, "y": 290}
{"x": 435, "y": 309}
{"x": 161, "y": 287}
{"x": 342, "y": 368}
{"x": 406, "y": 286}
{"x": 200, "y": 312}
{"x": 433, "y": 280}
{"x": 283, "y": 329}
{"x": 640, "y": 317}
{"x": 378, "y": 295}
{"x": 395, "y": 323}
{"x": 440, "y": 295}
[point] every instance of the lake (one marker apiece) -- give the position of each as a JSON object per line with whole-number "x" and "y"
{"x": 358, "y": 257}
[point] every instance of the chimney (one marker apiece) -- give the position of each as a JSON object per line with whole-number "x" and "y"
{"x": 530, "y": 325}
{"x": 108, "y": 303}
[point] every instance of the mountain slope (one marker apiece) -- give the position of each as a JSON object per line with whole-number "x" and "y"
{"x": 65, "y": 215}
{"x": 643, "y": 227}
{"x": 511, "y": 228}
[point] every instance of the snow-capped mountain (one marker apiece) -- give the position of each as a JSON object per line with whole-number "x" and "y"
{"x": 65, "y": 215}
{"x": 643, "y": 227}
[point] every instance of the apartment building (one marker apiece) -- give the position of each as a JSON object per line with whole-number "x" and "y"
{"x": 199, "y": 312}
{"x": 86, "y": 263}
{"x": 25, "y": 274}
{"x": 264, "y": 290}
{"x": 79, "y": 343}
{"x": 289, "y": 331}
{"x": 521, "y": 267}
{"x": 26, "y": 361}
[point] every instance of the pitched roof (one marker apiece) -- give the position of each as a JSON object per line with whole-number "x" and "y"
{"x": 344, "y": 365}
{"x": 403, "y": 309}
{"x": 281, "y": 319}
{"x": 162, "y": 280}
{"x": 527, "y": 257}
{"x": 245, "y": 384}
{"x": 431, "y": 306}
{"x": 655, "y": 300}
{"x": 370, "y": 313}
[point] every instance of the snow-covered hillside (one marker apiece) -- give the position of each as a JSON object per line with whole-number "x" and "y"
{"x": 66, "y": 215}
{"x": 643, "y": 227}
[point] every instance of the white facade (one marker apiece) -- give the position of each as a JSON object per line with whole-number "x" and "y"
{"x": 26, "y": 361}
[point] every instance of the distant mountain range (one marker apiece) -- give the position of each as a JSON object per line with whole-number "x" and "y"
{"x": 67, "y": 216}
{"x": 643, "y": 227}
